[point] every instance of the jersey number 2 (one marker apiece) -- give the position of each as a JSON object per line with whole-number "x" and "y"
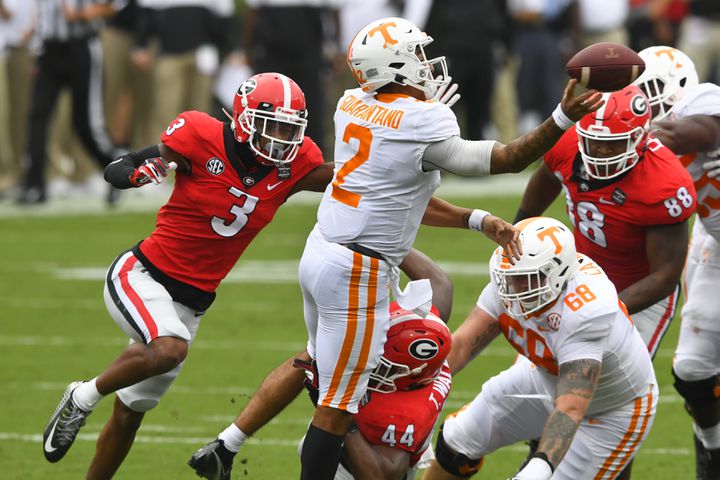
{"x": 241, "y": 212}
{"x": 364, "y": 136}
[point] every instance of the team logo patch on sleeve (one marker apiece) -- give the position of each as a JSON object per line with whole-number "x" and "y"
{"x": 215, "y": 166}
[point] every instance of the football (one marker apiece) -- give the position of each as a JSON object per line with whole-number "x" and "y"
{"x": 605, "y": 66}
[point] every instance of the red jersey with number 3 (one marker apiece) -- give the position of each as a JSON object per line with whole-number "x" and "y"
{"x": 610, "y": 218}
{"x": 217, "y": 209}
{"x": 405, "y": 419}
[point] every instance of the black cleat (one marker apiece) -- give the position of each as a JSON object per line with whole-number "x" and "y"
{"x": 64, "y": 425}
{"x": 211, "y": 461}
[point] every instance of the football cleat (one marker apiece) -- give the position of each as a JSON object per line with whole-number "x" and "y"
{"x": 64, "y": 425}
{"x": 207, "y": 463}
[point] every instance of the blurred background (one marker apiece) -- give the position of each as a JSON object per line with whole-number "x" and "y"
{"x": 157, "y": 58}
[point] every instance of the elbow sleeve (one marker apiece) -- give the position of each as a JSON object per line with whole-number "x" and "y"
{"x": 118, "y": 172}
{"x": 458, "y": 156}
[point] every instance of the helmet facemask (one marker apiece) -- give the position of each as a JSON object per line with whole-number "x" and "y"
{"x": 382, "y": 378}
{"x": 431, "y": 74}
{"x": 605, "y": 168}
{"x": 525, "y": 291}
{"x": 274, "y": 136}
{"x": 654, "y": 88}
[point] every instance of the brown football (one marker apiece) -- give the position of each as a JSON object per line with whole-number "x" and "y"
{"x": 605, "y": 66}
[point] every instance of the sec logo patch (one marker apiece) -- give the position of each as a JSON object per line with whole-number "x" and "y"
{"x": 215, "y": 166}
{"x": 553, "y": 321}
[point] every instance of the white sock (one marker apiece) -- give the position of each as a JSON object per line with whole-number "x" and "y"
{"x": 233, "y": 438}
{"x": 710, "y": 437}
{"x": 86, "y": 396}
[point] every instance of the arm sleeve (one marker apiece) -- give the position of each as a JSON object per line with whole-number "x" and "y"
{"x": 462, "y": 157}
{"x": 118, "y": 172}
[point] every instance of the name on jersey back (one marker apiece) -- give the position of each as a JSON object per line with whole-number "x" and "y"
{"x": 383, "y": 116}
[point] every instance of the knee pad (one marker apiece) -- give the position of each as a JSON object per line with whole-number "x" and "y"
{"x": 455, "y": 463}
{"x": 699, "y": 392}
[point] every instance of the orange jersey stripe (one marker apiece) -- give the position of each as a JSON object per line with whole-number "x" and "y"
{"x": 626, "y": 438}
{"x": 635, "y": 442}
{"x": 351, "y": 329}
{"x": 368, "y": 336}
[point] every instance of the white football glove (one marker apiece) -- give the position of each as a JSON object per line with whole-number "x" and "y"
{"x": 536, "y": 469}
{"x": 712, "y": 166}
{"x": 446, "y": 93}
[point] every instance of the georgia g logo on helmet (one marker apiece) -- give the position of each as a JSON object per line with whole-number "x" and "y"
{"x": 423, "y": 349}
{"x": 639, "y": 105}
{"x": 248, "y": 86}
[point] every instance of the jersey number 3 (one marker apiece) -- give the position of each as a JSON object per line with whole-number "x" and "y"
{"x": 364, "y": 136}
{"x": 240, "y": 210}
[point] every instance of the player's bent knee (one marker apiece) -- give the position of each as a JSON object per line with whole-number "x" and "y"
{"x": 167, "y": 353}
{"x": 697, "y": 392}
{"x": 455, "y": 463}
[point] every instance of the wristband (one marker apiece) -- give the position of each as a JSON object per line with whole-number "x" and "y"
{"x": 543, "y": 456}
{"x": 561, "y": 120}
{"x": 536, "y": 469}
{"x": 476, "y": 219}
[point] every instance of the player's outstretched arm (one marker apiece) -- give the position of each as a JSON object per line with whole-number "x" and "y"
{"x": 476, "y": 332}
{"x": 521, "y": 152}
{"x": 542, "y": 189}
{"x": 576, "y": 384}
{"x": 440, "y": 213}
{"x": 315, "y": 181}
{"x": 373, "y": 462}
{"x": 666, "y": 247}
{"x": 148, "y": 165}
{"x": 695, "y": 133}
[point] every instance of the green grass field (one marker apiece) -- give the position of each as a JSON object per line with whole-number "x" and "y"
{"x": 55, "y": 329}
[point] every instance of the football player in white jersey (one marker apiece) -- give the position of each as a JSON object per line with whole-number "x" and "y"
{"x": 584, "y": 383}
{"x": 392, "y": 142}
{"x": 686, "y": 116}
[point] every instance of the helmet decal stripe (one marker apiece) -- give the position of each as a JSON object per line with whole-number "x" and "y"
{"x": 287, "y": 97}
{"x": 600, "y": 114}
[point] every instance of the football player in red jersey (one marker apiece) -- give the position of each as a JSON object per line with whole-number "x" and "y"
{"x": 231, "y": 179}
{"x": 394, "y": 428}
{"x": 628, "y": 199}
{"x": 366, "y": 454}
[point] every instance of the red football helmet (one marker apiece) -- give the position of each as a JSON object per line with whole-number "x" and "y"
{"x": 415, "y": 351}
{"x": 269, "y": 113}
{"x": 625, "y": 116}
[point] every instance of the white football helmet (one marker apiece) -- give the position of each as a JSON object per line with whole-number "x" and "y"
{"x": 541, "y": 275}
{"x": 392, "y": 50}
{"x": 668, "y": 73}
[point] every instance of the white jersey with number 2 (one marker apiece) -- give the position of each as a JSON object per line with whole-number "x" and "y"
{"x": 380, "y": 191}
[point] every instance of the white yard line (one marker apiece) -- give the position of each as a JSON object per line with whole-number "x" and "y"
{"x": 274, "y": 442}
{"x": 150, "y": 198}
{"x": 460, "y": 397}
{"x": 256, "y": 271}
{"x": 41, "y": 341}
